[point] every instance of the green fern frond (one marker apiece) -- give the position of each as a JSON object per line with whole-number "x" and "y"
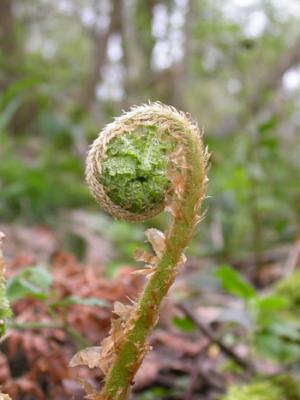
{"x": 5, "y": 310}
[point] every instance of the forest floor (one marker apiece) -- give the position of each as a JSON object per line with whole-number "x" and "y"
{"x": 193, "y": 351}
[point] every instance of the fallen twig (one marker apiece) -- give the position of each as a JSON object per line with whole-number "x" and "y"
{"x": 247, "y": 365}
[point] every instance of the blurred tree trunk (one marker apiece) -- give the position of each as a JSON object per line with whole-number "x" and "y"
{"x": 180, "y": 70}
{"x": 11, "y": 64}
{"x": 7, "y": 41}
{"x": 138, "y": 43}
{"x": 143, "y": 23}
{"x": 8, "y": 44}
{"x": 134, "y": 61}
{"x": 260, "y": 99}
{"x": 170, "y": 84}
{"x": 99, "y": 57}
{"x": 273, "y": 79}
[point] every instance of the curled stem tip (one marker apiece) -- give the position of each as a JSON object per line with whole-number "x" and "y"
{"x": 148, "y": 160}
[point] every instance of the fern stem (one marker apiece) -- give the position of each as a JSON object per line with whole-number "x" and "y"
{"x": 134, "y": 346}
{"x": 188, "y": 182}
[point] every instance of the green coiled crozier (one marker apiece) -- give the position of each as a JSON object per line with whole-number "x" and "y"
{"x": 146, "y": 161}
{"x": 134, "y": 170}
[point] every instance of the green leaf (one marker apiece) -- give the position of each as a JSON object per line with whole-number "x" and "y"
{"x": 234, "y": 283}
{"x": 272, "y": 303}
{"x": 276, "y": 348}
{"x": 157, "y": 393}
{"x": 268, "y": 125}
{"x": 289, "y": 330}
{"x": 31, "y": 281}
{"x": 8, "y": 112}
{"x": 255, "y": 391}
{"x": 185, "y": 324}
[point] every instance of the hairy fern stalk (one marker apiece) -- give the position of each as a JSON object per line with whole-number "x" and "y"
{"x": 150, "y": 159}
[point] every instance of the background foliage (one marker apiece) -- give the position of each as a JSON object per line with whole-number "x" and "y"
{"x": 68, "y": 67}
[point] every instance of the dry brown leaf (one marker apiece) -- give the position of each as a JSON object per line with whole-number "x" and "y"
{"x": 182, "y": 260}
{"x": 148, "y": 371}
{"x": 4, "y": 397}
{"x": 95, "y": 356}
{"x": 122, "y": 310}
{"x": 144, "y": 256}
{"x": 108, "y": 351}
{"x": 157, "y": 239}
{"x": 148, "y": 271}
{"x": 107, "y": 346}
{"x": 172, "y": 208}
{"x": 37, "y": 356}
{"x": 5, "y": 374}
{"x": 105, "y": 363}
{"x": 89, "y": 356}
{"x": 28, "y": 387}
{"x": 180, "y": 344}
{"x": 117, "y": 333}
{"x": 90, "y": 391}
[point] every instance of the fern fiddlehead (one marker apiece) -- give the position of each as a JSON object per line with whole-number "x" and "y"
{"x": 148, "y": 160}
